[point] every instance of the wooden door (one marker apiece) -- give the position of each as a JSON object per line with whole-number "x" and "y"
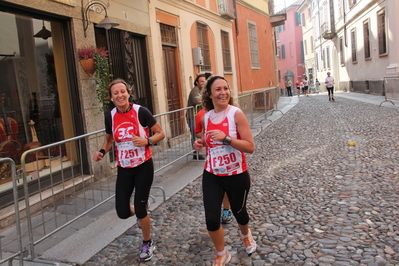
{"x": 176, "y": 119}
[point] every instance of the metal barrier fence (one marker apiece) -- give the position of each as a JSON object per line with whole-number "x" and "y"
{"x": 60, "y": 183}
{"x": 257, "y": 106}
{"x": 17, "y": 253}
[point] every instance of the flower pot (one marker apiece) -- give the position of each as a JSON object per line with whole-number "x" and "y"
{"x": 88, "y": 66}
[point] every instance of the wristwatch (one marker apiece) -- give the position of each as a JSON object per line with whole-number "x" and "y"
{"x": 227, "y": 140}
{"x": 149, "y": 141}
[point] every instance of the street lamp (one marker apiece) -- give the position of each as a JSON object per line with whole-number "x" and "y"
{"x": 98, "y": 7}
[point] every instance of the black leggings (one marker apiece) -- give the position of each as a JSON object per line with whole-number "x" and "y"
{"x": 330, "y": 90}
{"x": 127, "y": 180}
{"x": 214, "y": 187}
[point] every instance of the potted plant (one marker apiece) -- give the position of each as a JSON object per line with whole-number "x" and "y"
{"x": 86, "y": 59}
{"x": 95, "y": 62}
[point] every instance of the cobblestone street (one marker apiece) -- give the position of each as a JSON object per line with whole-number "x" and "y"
{"x": 314, "y": 200}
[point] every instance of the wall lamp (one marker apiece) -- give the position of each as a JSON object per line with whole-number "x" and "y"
{"x": 98, "y": 7}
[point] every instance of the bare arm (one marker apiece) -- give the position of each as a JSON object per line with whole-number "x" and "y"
{"x": 109, "y": 140}
{"x": 246, "y": 143}
{"x": 158, "y": 136}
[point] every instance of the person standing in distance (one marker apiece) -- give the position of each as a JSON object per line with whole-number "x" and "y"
{"x": 128, "y": 126}
{"x": 227, "y": 136}
{"x": 317, "y": 85}
{"x": 306, "y": 86}
{"x": 330, "y": 86}
{"x": 288, "y": 85}
{"x": 194, "y": 100}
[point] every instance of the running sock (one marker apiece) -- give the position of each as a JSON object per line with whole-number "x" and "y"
{"x": 147, "y": 242}
{"x": 221, "y": 253}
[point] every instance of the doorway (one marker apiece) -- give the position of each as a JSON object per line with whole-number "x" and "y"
{"x": 176, "y": 119}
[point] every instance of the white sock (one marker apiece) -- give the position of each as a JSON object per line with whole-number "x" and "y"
{"x": 221, "y": 253}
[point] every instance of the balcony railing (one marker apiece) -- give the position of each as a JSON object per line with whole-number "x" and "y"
{"x": 326, "y": 31}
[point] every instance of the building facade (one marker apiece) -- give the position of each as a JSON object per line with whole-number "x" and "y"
{"x": 356, "y": 41}
{"x": 290, "y": 50}
{"x": 305, "y": 9}
{"x": 158, "y": 47}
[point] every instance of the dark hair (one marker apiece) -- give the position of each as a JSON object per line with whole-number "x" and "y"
{"x": 207, "y": 75}
{"x": 197, "y": 78}
{"x": 206, "y": 93}
{"x": 116, "y": 81}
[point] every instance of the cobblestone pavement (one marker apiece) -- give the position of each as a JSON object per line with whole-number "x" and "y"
{"x": 315, "y": 200}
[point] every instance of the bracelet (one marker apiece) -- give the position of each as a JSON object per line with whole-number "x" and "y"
{"x": 227, "y": 140}
{"x": 102, "y": 151}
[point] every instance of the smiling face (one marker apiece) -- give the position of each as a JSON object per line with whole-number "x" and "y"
{"x": 120, "y": 96}
{"x": 220, "y": 94}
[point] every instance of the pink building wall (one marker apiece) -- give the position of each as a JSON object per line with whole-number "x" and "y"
{"x": 291, "y": 38}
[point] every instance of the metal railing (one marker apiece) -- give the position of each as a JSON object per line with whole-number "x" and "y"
{"x": 60, "y": 183}
{"x": 257, "y": 106}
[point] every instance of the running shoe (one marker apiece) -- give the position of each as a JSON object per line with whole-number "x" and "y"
{"x": 147, "y": 251}
{"x": 227, "y": 217}
{"x": 223, "y": 259}
{"x": 249, "y": 243}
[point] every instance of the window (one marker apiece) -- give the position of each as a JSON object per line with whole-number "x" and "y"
{"x": 366, "y": 37}
{"x": 253, "y": 43}
{"x": 306, "y": 47}
{"x": 168, "y": 35}
{"x": 340, "y": 10}
{"x": 283, "y": 51}
{"x": 351, "y": 2}
{"x": 353, "y": 45}
{"x": 226, "y": 52}
{"x": 324, "y": 59}
{"x": 311, "y": 43}
{"x": 203, "y": 42}
{"x": 303, "y": 22}
{"x": 316, "y": 61}
{"x": 278, "y": 53}
{"x": 382, "y": 36}
{"x": 298, "y": 19}
{"x": 341, "y": 51}
{"x": 328, "y": 57}
{"x": 301, "y": 56}
{"x": 310, "y": 13}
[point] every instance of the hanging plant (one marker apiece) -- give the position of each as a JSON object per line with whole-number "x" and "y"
{"x": 100, "y": 68}
{"x": 103, "y": 78}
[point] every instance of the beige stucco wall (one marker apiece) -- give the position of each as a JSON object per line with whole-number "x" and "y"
{"x": 188, "y": 14}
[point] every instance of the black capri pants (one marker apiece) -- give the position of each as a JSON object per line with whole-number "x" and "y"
{"x": 128, "y": 179}
{"x": 330, "y": 90}
{"x": 214, "y": 187}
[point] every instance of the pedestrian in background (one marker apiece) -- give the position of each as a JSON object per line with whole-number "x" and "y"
{"x": 128, "y": 126}
{"x": 317, "y": 85}
{"x": 194, "y": 100}
{"x": 305, "y": 86}
{"x": 288, "y": 85}
{"x": 227, "y": 136}
{"x": 298, "y": 87}
{"x": 330, "y": 86}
